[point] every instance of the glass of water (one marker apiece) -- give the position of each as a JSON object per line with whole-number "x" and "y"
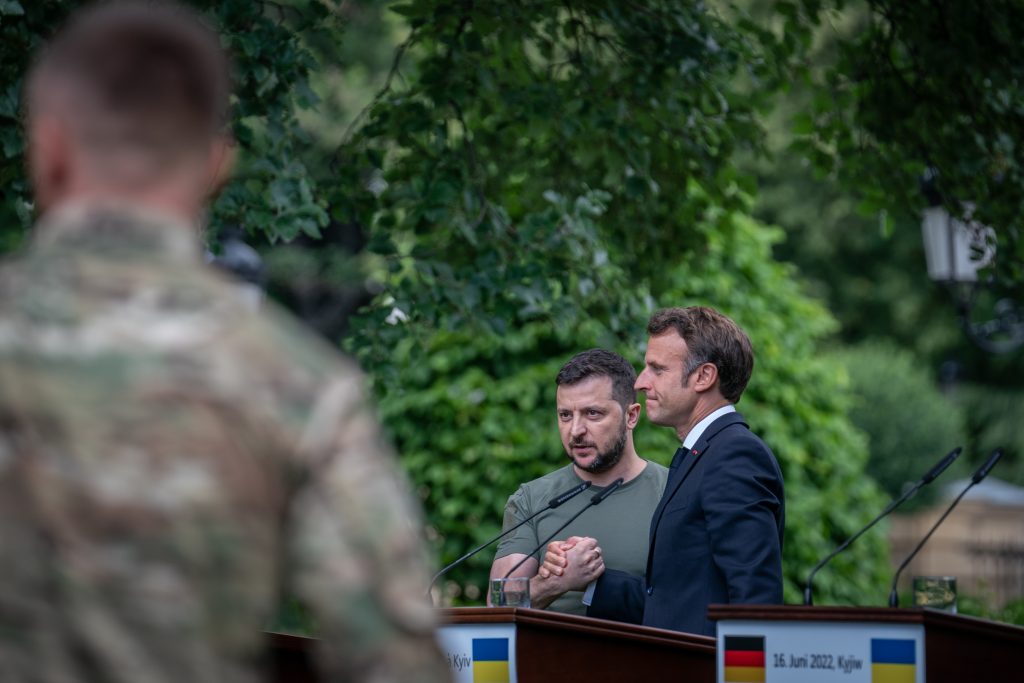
{"x": 511, "y": 592}
{"x": 936, "y": 592}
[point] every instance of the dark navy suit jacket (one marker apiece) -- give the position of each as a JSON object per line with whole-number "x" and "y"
{"x": 716, "y": 536}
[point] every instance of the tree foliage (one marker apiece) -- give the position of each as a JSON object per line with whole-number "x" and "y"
{"x": 868, "y": 263}
{"x": 514, "y": 127}
{"x": 272, "y": 195}
{"x": 929, "y": 84}
{"x": 910, "y": 424}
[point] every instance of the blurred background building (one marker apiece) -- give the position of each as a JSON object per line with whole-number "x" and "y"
{"x": 981, "y": 543}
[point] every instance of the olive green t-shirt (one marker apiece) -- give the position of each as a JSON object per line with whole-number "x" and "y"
{"x": 621, "y": 523}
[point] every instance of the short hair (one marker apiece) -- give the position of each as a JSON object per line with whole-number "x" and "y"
{"x": 710, "y": 338}
{"x": 601, "y": 363}
{"x": 146, "y": 76}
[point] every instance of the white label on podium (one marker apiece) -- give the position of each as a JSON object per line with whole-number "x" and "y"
{"x": 819, "y": 652}
{"x": 479, "y": 653}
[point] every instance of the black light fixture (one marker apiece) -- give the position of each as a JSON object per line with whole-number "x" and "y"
{"x": 956, "y": 249}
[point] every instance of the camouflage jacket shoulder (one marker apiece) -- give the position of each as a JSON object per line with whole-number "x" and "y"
{"x": 171, "y": 462}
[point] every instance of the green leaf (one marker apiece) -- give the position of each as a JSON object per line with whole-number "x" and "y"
{"x": 11, "y": 142}
{"x": 407, "y": 10}
{"x": 11, "y": 8}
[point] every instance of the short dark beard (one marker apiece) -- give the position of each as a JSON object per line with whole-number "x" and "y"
{"x": 607, "y": 459}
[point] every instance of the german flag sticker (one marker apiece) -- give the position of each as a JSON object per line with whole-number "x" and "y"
{"x": 744, "y": 659}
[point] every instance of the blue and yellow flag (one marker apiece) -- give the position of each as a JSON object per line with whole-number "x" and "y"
{"x": 892, "y": 661}
{"x": 490, "y": 660}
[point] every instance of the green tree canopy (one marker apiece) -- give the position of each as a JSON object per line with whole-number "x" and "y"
{"x": 866, "y": 258}
{"x": 910, "y": 424}
{"x": 934, "y": 84}
{"x": 272, "y": 194}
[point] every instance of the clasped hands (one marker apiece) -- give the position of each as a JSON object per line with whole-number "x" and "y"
{"x": 572, "y": 563}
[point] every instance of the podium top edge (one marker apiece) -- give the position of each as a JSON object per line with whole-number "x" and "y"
{"x": 556, "y": 620}
{"x": 914, "y": 615}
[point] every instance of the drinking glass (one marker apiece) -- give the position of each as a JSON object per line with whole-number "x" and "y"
{"x": 511, "y": 592}
{"x": 936, "y": 592}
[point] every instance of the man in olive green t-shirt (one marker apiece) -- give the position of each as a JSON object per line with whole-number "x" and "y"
{"x": 597, "y": 411}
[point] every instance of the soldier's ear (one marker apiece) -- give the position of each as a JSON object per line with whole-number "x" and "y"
{"x": 220, "y": 163}
{"x": 49, "y": 158}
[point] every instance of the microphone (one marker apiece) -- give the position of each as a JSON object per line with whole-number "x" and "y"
{"x": 552, "y": 504}
{"x": 939, "y": 468}
{"x": 594, "y": 500}
{"x": 929, "y": 476}
{"x": 980, "y": 474}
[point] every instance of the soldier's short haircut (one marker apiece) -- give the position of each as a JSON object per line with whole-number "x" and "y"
{"x": 601, "y": 363}
{"x": 710, "y": 338}
{"x": 146, "y": 76}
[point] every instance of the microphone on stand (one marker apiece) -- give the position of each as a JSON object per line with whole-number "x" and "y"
{"x": 594, "y": 500}
{"x": 980, "y": 474}
{"x": 552, "y": 504}
{"x": 928, "y": 477}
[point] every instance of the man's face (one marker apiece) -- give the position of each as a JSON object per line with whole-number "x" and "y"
{"x": 671, "y": 398}
{"x": 592, "y": 424}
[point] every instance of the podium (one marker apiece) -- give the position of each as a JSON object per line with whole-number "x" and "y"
{"x": 537, "y": 646}
{"x": 797, "y": 644}
{"x": 755, "y": 644}
{"x": 545, "y": 647}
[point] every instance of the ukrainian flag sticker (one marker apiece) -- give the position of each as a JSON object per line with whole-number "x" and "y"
{"x": 893, "y": 661}
{"x": 490, "y": 660}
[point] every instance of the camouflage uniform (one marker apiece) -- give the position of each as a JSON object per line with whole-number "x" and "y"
{"x": 172, "y": 463}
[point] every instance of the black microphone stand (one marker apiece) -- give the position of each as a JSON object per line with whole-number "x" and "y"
{"x": 926, "y": 479}
{"x": 595, "y": 500}
{"x": 552, "y": 504}
{"x": 982, "y": 472}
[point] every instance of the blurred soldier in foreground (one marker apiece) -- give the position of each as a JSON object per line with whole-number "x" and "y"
{"x": 172, "y": 464}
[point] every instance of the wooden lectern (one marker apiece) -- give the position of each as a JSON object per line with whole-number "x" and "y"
{"x": 544, "y": 647}
{"x": 851, "y": 644}
{"x": 551, "y": 647}
{"x": 766, "y": 643}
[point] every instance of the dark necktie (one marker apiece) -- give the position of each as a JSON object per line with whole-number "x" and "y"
{"x": 677, "y": 458}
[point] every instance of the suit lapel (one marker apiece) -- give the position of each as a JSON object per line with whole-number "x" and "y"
{"x": 682, "y": 465}
{"x": 686, "y": 461}
{"x": 715, "y": 427}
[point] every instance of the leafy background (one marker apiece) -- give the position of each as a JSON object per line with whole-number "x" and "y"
{"x": 463, "y": 194}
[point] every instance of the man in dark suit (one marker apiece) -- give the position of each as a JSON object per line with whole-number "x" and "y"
{"x": 716, "y": 535}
